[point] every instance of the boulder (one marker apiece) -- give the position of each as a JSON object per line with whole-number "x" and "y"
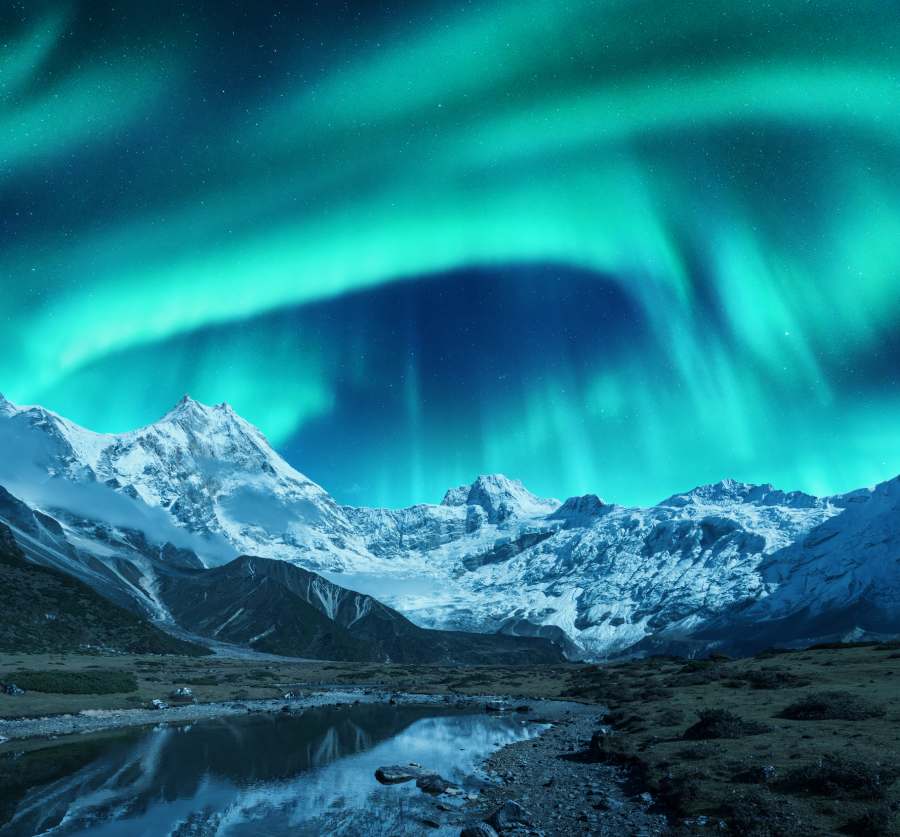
{"x": 600, "y": 741}
{"x": 156, "y": 703}
{"x": 12, "y": 689}
{"x": 508, "y": 816}
{"x": 396, "y": 774}
{"x": 433, "y": 784}
{"x": 182, "y": 695}
{"x": 495, "y": 706}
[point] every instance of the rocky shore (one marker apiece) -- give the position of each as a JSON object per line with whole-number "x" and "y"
{"x": 550, "y": 786}
{"x": 95, "y": 720}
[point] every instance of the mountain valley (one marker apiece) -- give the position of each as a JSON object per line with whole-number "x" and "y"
{"x": 155, "y": 517}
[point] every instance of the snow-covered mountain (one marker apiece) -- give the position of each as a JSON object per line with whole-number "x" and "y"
{"x": 606, "y": 576}
{"x": 842, "y": 578}
{"x": 212, "y": 473}
{"x": 692, "y": 571}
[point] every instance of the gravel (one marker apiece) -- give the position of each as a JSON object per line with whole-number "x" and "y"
{"x": 565, "y": 797}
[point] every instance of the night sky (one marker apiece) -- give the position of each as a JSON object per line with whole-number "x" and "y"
{"x": 608, "y": 246}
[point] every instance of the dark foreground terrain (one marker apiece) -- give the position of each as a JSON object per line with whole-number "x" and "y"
{"x": 48, "y": 610}
{"x": 797, "y": 743}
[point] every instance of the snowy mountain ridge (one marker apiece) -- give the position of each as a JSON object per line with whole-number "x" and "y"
{"x": 212, "y": 472}
{"x": 492, "y": 556}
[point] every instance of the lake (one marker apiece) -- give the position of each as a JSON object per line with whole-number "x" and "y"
{"x": 310, "y": 773}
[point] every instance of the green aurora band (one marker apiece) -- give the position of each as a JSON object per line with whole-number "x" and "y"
{"x": 733, "y": 167}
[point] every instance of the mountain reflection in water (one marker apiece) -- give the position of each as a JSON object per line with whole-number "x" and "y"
{"x": 304, "y": 774}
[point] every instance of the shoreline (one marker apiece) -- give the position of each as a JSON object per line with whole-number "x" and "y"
{"x": 98, "y": 720}
{"x": 560, "y": 794}
{"x": 562, "y": 791}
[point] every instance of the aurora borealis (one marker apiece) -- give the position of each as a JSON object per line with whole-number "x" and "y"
{"x": 618, "y": 246}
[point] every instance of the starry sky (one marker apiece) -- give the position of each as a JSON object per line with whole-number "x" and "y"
{"x": 619, "y": 246}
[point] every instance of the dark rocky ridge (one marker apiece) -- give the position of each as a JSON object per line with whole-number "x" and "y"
{"x": 279, "y": 608}
{"x": 121, "y": 578}
{"x": 263, "y": 604}
{"x": 47, "y": 610}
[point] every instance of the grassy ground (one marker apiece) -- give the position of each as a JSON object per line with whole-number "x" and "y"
{"x": 811, "y": 746}
{"x": 799, "y": 743}
{"x": 217, "y": 679}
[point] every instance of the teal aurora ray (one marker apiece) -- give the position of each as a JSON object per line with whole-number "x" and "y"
{"x": 623, "y": 246}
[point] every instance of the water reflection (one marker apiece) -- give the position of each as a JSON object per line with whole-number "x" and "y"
{"x": 306, "y": 774}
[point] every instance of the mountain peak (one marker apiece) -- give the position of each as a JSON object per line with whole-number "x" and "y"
{"x": 205, "y": 420}
{"x": 500, "y": 496}
{"x": 191, "y": 407}
{"x": 726, "y": 490}
{"x": 201, "y": 467}
{"x": 217, "y": 432}
{"x": 733, "y": 491}
{"x": 582, "y": 507}
{"x": 7, "y": 408}
{"x": 187, "y": 406}
{"x": 729, "y": 488}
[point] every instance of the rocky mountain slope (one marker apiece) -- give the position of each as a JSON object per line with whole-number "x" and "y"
{"x": 606, "y": 577}
{"x": 690, "y": 573}
{"x": 841, "y": 580}
{"x": 258, "y": 603}
{"x": 118, "y": 561}
{"x": 277, "y": 607}
{"x": 45, "y": 610}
